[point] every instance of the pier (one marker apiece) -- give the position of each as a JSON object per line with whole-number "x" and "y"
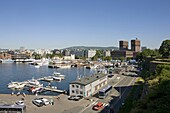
{"x": 53, "y": 90}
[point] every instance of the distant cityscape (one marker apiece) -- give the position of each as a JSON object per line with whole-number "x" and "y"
{"x": 76, "y": 52}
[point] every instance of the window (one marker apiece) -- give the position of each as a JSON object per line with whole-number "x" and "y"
{"x": 72, "y": 91}
{"x": 81, "y": 92}
{"x": 77, "y": 92}
{"x": 81, "y": 87}
{"x": 73, "y": 86}
{"x": 77, "y": 86}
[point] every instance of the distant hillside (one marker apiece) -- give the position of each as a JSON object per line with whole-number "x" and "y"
{"x": 86, "y": 48}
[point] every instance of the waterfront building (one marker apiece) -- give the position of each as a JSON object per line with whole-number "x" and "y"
{"x": 88, "y": 85}
{"x": 135, "y": 45}
{"x": 106, "y": 53}
{"x": 123, "y": 53}
{"x": 90, "y": 53}
{"x": 70, "y": 57}
{"x": 20, "y": 56}
{"x": 5, "y": 55}
{"x": 123, "y": 45}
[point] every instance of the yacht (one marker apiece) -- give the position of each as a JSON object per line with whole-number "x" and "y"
{"x": 34, "y": 82}
{"x": 16, "y": 85}
{"x": 57, "y": 78}
{"x": 7, "y": 61}
{"x": 56, "y": 74}
{"x": 64, "y": 66}
{"x": 12, "y": 84}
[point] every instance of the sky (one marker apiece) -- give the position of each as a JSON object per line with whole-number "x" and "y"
{"x": 57, "y": 24}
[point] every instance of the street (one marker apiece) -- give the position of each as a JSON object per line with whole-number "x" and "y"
{"x": 122, "y": 84}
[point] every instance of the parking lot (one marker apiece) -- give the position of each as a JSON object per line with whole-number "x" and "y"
{"x": 61, "y": 105}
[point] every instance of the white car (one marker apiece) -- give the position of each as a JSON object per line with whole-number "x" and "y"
{"x": 20, "y": 102}
{"x": 45, "y": 101}
{"x": 38, "y": 102}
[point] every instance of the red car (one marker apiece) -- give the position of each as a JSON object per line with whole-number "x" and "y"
{"x": 98, "y": 106}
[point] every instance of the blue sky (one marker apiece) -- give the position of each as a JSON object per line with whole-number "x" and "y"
{"x": 64, "y": 23}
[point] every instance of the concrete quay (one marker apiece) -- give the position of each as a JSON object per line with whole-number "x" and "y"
{"x": 61, "y": 103}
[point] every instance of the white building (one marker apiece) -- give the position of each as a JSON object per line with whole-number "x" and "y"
{"x": 107, "y": 53}
{"x": 90, "y": 53}
{"x": 88, "y": 85}
{"x": 43, "y": 51}
{"x": 70, "y": 57}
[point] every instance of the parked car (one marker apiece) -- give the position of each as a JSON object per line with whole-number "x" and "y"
{"x": 45, "y": 101}
{"x": 71, "y": 97}
{"x": 19, "y": 102}
{"x": 110, "y": 75}
{"x": 98, "y": 106}
{"x": 76, "y": 98}
{"x": 38, "y": 102}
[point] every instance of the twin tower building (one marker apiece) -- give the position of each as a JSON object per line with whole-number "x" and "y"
{"x": 135, "y": 45}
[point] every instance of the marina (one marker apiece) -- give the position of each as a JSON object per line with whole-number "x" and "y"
{"x": 23, "y": 76}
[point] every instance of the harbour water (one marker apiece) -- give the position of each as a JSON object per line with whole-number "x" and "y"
{"x": 22, "y": 72}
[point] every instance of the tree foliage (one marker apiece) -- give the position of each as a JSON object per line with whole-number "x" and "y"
{"x": 146, "y": 53}
{"x": 158, "y": 97}
{"x": 165, "y": 48}
{"x": 99, "y": 54}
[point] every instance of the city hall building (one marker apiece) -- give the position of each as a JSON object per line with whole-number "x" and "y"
{"x": 88, "y": 85}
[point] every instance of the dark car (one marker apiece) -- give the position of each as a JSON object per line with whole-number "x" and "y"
{"x": 110, "y": 75}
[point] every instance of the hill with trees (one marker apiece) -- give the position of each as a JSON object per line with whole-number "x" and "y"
{"x": 95, "y": 48}
{"x": 155, "y": 94}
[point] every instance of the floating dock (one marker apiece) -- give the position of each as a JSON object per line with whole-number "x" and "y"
{"x": 53, "y": 90}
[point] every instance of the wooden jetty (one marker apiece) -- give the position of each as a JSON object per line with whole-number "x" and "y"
{"x": 53, "y": 90}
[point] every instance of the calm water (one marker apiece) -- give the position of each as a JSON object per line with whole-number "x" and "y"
{"x": 21, "y": 72}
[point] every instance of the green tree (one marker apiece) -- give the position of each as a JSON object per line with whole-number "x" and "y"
{"x": 108, "y": 58}
{"x": 165, "y": 49}
{"x": 99, "y": 54}
{"x": 37, "y": 56}
{"x": 121, "y": 58}
{"x": 146, "y": 53}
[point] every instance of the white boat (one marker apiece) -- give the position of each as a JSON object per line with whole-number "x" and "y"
{"x": 20, "y": 86}
{"x": 48, "y": 79}
{"x": 57, "y": 74}
{"x": 37, "y": 90}
{"x": 7, "y": 61}
{"x": 57, "y": 78}
{"x": 16, "y": 85}
{"x": 64, "y": 66}
{"x": 37, "y": 66}
{"x": 12, "y": 84}
{"x": 34, "y": 82}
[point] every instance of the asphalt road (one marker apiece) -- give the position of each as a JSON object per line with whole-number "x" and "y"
{"x": 122, "y": 85}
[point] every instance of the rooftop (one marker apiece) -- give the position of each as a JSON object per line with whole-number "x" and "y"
{"x": 88, "y": 79}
